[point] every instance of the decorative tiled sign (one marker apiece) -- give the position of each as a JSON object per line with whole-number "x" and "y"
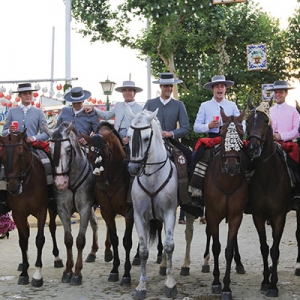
{"x": 256, "y": 57}
{"x": 266, "y": 95}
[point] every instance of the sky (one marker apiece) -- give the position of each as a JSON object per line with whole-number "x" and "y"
{"x": 26, "y": 49}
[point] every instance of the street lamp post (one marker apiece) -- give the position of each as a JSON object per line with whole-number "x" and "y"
{"x": 107, "y": 87}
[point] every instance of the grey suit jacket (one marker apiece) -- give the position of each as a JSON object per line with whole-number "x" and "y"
{"x": 169, "y": 114}
{"x": 33, "y": 121}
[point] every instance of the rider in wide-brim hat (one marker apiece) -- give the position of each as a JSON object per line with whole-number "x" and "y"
{"x": 77, "y": 94}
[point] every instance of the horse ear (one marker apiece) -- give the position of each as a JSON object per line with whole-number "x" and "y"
{"x": 242, "y": 114}
{"x": 47, "y": 129}
{"x": 250, "y": 105}
{"x": 70, "y": 127}
{"x": 152, "y": 115}
{"x": 129, "y": 112}
{"x": 86, "y": 137}
{"x": 223, "y": 115}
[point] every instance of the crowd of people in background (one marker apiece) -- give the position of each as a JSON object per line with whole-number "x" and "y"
{"x": 172, "y": 116}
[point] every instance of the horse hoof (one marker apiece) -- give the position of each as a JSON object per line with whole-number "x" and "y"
{"x": 216, "y": 289}
{"x": 226, "y": 296}
{"x": 185, "y": 271}
{"x": 90, "y": 258}
{"x": 20, "y": 267}
{"x": 159, "y": 259}
{"x": 139, "y": 295}
{"x": 58, "y": 264}
{"x": 113, "y": 277}
{"x": 205, "y": 269}
{"x": 108, "y": 257}
{"x": 240, "y": 269}
{"x": 23, "y": 280}
{"x": 171, "y": 292}
{"x": 66, "y": 278}
{"x": 126, "y": 281}
{"x": 37, "y": 282}
{"x": 76, "y": 280}
{"x": 297, "y": 272}
{"x": 136, "y": 261}
{"x": 162, "y": 271}
{"x": 272, "y": 293}
{"x": 264, "y": 287}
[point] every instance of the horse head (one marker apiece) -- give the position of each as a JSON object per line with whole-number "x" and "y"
{"x": 140, "y": 136}
{"x": 232, "y": 134}
{"x": 63, "y": 147}
{"x": 14, "y": 160}
{"x": 258, "y": 128}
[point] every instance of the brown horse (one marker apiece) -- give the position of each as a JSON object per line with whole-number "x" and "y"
{"x": 269, "y": 190}
{"x": 27, "y": 195}
{"x": 107, "y": 156}
{"x": 225, "y": 196}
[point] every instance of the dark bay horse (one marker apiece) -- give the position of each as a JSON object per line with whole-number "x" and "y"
{"x": 154, "y": 194}
{"x": 107, "y": 156}
{"x": 225, "y": 196}
{"x": 74, "y": 191}
{"x": 27, "y": 195}
{"x": 269, "y": 190}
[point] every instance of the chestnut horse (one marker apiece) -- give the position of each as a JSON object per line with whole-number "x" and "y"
{"x": 225, "y": 196}
{"x": 27, "y": 194}
{"x": 269, "y": 190}
{"x": 107, "y": 156}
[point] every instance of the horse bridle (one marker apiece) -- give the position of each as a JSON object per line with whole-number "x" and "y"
{"x": 10, "y": 167}
{"x": 137, "y": 137}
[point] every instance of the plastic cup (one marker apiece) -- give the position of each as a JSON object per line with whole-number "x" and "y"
{"x": 16, "y": 124}
{"x": 216, "y": 118}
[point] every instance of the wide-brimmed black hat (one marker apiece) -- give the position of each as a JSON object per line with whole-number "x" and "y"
{"x": 25, "y": 87}
{"x": 280, "y": 85}
{"x": 217, "y": 80}
{"x": 77, "y": 94}
{"x": 128, "y": 84}
{"x": 167, "y": 78}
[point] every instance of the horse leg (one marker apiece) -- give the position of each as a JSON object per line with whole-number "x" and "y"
{"x": 159, "y": 244}
{"x": 140, "y": 290}
{"x": 108, "y": 255}
{"x": 297, "y": 270}
{"x": 37, "y": 279}
{"x": 23, "y": 232}
{"x": 237, "y": 258}
{"x": 233, "y": 227}
{"x": 136, "y": 260}
{"x": 216, "y": 249}
{"x": 58, "y": 263}
{"x": 189, "y": 230}
{"x": 80, "y": 243}
{"x": 264, "y": 249}
{"x": 94, "y": 225}
{"x": 68, "y": 238}
{"x": 127, "y": 243}
{"x": 170, "y": 283}
{"x": 274, "y": 252}
{"x": 206, "y": 266}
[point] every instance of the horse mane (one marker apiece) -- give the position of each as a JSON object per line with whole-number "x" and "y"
{"x": 111, "y": 127}
{"x": 57, "y": 133}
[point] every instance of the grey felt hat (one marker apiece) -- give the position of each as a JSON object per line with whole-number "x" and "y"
{"x": 77, "y": 94}
{"x": 280, "y": 85}
{"x": 217, "y": 80}
{"x": 167, "y": 78}
{"x": 128, "y": 84}
{"x": 25, "y": 87}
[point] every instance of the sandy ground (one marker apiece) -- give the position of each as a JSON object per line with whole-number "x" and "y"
{"x": 196, "y": 286}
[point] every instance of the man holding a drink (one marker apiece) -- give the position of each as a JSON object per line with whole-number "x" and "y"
{"x": 26, "y": 116}
{"x": 208, "y": 121}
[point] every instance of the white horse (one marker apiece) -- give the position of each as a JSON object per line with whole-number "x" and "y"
{"x": 154, "y": 194}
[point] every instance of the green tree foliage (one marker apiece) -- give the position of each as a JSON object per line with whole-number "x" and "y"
{"x": 197, "y": 40}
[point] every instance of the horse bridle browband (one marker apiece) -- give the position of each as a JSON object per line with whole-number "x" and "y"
{"x": 144, "y": 160}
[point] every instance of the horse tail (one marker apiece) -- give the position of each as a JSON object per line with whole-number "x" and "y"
{"x": 153, "y": 229}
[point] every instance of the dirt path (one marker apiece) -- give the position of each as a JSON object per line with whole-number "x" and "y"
{"x": 195, "y": 286}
